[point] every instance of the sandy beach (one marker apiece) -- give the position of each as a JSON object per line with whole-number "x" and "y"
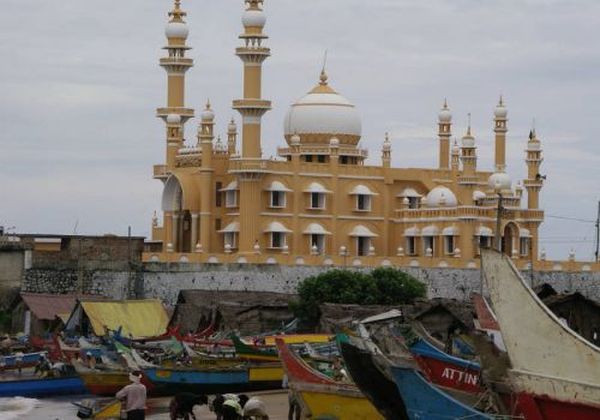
{"x": 62, "y": 409}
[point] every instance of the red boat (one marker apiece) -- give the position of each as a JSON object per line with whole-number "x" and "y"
{"x": 555, "y": 373}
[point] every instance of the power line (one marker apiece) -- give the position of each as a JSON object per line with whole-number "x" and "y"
{"x": 574, "y": 219}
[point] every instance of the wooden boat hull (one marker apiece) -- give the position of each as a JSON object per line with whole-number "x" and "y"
{"x": 550, "y": 362}
{"x": 332, "y": 405}
{"x": 445, "y": 370}
{"x": 104, "y": 383}
{"x": 169, "y": 381}
{"x": 374, "y": 384}
{"x": 424, "y": 401}
{"x": 47, "y": 387}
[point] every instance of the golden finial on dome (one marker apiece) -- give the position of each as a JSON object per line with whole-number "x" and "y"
{"x": 469, "y": 124}
{"x": 254, "y": 4}
{"x": 501, "y": 101}
{"x": 445, "y": 103}
{"x": 208, "y": 105}
{"x": 177, "y": 14}
{"x": 323, "y": 78}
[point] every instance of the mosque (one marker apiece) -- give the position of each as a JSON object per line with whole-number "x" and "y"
{"x": 318, "y": 201}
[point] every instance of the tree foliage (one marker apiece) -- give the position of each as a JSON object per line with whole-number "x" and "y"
{"x": 382, "y": 286}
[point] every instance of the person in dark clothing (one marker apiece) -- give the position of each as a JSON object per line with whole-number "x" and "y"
{"x": 182, "y": 405}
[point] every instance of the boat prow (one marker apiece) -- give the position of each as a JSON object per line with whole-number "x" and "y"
{"x": 555, "y": 372}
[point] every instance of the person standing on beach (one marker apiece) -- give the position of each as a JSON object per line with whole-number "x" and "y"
{"x": 134, "y": 395}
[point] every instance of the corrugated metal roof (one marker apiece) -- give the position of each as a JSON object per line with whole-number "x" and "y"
{"x": 138, "y": 318}
{"x": 46, "y": 306}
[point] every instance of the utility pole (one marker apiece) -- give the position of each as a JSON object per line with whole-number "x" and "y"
{"x": 598, "y": 233}
{"x": 498, "y": 238}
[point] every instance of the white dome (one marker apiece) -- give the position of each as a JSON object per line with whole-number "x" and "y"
{"x": 207, "y": 114}
{"x": 468, "y": 141}
{"x": 173, "y": 119}
{"x": 499, "y": 180}
{"x": 500, "y": 111}
{"x": 232, "y": 126}
{"x": 323, "y": 112}
{"x": 445, "y": 116}
{"x": 254, "y": 18}
{"x": 478, "y": 195}
{"x": 441, "y": 197}
{"x": 177, "y": 30}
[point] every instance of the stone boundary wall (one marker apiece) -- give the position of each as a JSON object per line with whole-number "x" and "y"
{"x": 165, "y": 280}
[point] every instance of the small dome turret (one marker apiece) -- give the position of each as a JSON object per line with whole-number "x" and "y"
{"x": 500, "y": 112}
{"x": 500, "y": 181}
{"x": 173, "y": 119}
{"x": 254, "y": 18}
{"x": 445, "y": 116}
{"x": 207, "y": 115}
{"x": 441, "y": 197}
{"x": 177, "y": 30}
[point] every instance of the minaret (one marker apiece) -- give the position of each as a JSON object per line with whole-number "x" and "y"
{"x": 386, "y": 152}
{"x": 444, "y": 133}
{"x": 469, "y": 153}
{"x": 534, "y": 181}
{"x": 468, "y": 178}
{"x": 252, "y": 54}
{"x": 205, "y": 140}
{"x": 500, "y": 130}
{"x": 251, "y": 108}
{"x": 232, "y": 138}
{"x": 175, "y": 114}
{"x": 455, "y": 161}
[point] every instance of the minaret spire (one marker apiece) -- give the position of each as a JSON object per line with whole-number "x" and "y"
{"x": 444, "y": 134}
{"x": 500, "y": 130}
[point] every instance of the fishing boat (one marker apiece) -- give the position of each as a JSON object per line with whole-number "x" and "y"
{"x": 423, "y": 400}
{"x": 372, "y": 378}
{"x": 33, "y": 386}
{"x": 321, "y": 396}
{"x": 104, "y": 383}
{"x": 486, "y": 321}
{"x": 254, "y": 353}
{"x": 446, "y": 370}
{"x": 215, "y": 380}
{"x": 21, "y": 360}
{"x": 555, "y": 373}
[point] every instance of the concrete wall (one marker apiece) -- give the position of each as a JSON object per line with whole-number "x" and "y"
{"x": 165, "y": 280}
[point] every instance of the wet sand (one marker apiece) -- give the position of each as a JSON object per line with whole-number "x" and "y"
{"x": 62, "y": 409}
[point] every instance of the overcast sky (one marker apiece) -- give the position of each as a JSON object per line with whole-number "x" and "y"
{"x": 79, "y": 84}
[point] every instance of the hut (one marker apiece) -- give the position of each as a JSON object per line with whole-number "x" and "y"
{"x": 38, "y": 313}
{"x": 244, "y": 311}
{"x": 134, "y": 318}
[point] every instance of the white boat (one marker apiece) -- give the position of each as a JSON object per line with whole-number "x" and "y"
{"x": 555, "y": 372}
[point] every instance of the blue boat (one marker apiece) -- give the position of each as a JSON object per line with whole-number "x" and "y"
{"x": 42, "y": 387}
{"x": 24, "y": 360}
{"x": 424, "y": 348}
{"x": 424, "y": 401}
{"x": 168, "y": 381}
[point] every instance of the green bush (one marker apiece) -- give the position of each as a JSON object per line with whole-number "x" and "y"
{"x": 383, "y": 286}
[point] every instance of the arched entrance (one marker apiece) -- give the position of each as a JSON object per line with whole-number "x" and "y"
{"x": 508, "y": 239}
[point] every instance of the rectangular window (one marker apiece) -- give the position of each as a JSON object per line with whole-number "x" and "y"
{"x": 277, "y": 199}
{"x": 217, "y": 224}
{"x": 413, "y": 202}
{"x": 277, "y": 239}
{"x": 218, "y": 194}
{"x": 230, "y": 199}
{"x": 428, "y": 243}
{"x": 362, "y": 246}
{"x": 318, "y": 241}
{"x": 449, "y": 244}
{"x": 321, "y": 158}
{"x": 344, "y": 160}
{"x": 317, "y": 201}
{"x": 308, "y": 158}
{"x": 230, "y": 238}
{"x": 363, "y": 202}
{"x": 411, "y": 245}
{"x": 524, "y": 246}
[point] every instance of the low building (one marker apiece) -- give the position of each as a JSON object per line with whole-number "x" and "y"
{"x": 38, "y": 313}
{"x": 247, "y": 312}
{"x": 133, "y": 318}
